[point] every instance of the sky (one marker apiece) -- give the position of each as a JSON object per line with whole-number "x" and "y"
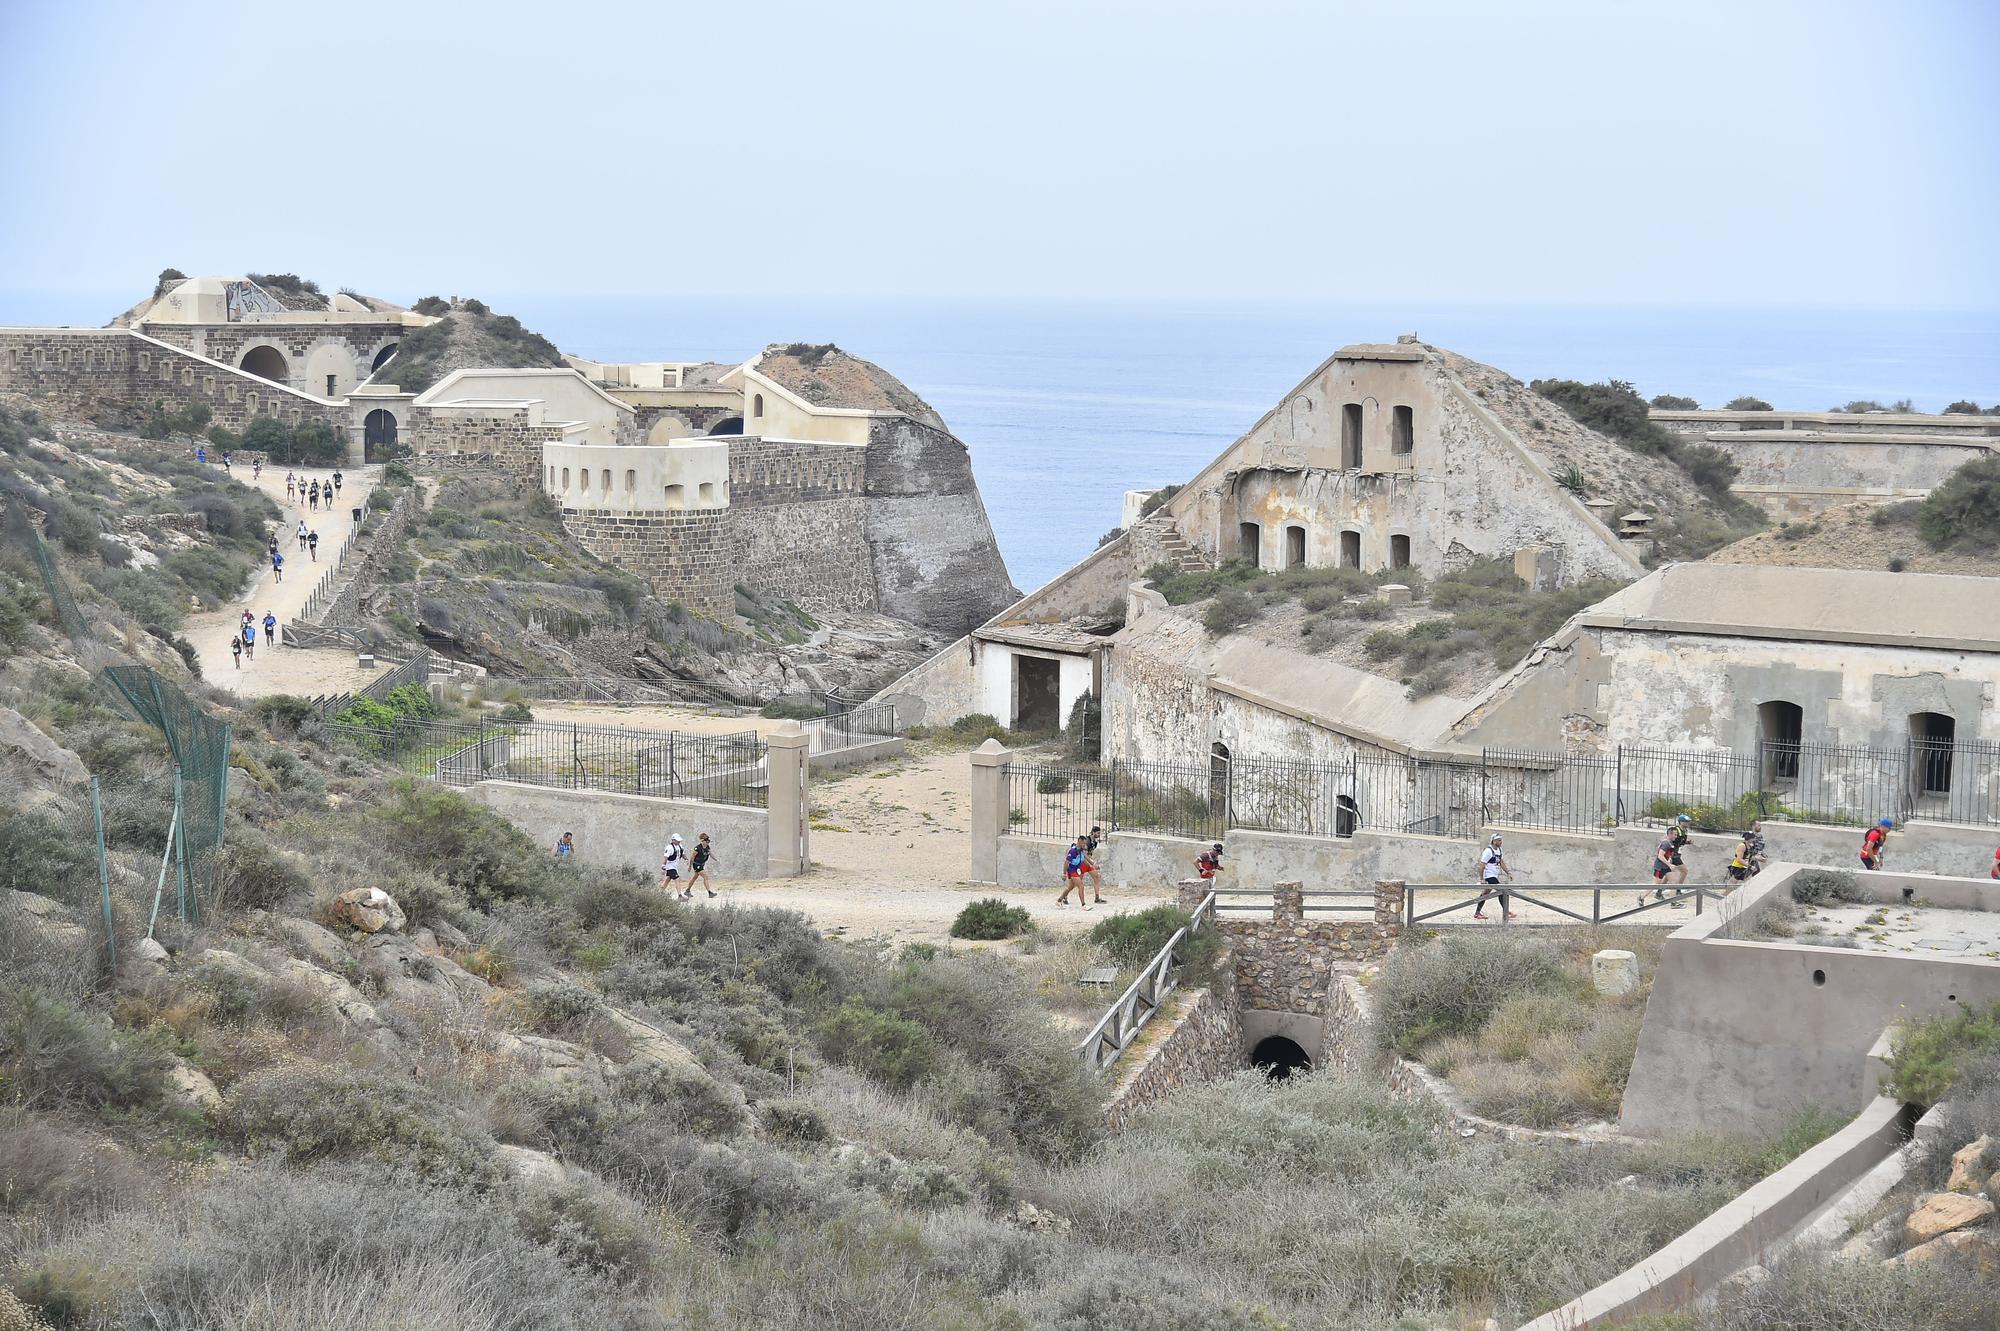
{"x": 1681, "y": 153}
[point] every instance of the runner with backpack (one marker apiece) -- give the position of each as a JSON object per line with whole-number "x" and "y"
{"x": 1075, "y": 860}
{"x": 1875, "y": 843}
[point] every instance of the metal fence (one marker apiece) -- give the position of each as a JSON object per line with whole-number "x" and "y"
{"x": 1155, "y": 983}
{"x": 851, "y": 728}
{"x": 720, "y": 769}
{"x": 1722, "y": 790}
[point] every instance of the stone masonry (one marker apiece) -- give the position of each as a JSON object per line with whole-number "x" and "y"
{"x": 1204, "y": 1045}
{"x": 1287, "y": 963}
{"x": 685, "y": 557}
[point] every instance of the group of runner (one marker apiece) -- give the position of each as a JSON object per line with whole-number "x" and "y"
{"x": 244, "y": 643}
{"x": 309, "y": 493}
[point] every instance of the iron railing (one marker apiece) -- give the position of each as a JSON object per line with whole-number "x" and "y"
{"x": 848, "y": 729}
{"x": 718, "y": 769}
{"x": 1722, "y": 790}
{"x": 1460, "y": 898}
{"x": 1148, "y": 992}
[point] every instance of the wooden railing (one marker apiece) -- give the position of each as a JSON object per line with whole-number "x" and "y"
{"x": 1123, "y": 1021}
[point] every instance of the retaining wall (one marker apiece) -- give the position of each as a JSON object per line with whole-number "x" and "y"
{"x": 630, "y": 831}
{"x": 1204, "y": 1044}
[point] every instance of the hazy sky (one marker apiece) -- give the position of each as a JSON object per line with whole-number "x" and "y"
{"x": 1737, "y": 153}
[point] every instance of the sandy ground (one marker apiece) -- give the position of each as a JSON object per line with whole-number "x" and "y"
{"x": 1845, "y": 536}
{"x": 284, "y": 670}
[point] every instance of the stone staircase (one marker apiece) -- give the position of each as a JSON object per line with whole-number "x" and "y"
{"x": 1163, "y": 535}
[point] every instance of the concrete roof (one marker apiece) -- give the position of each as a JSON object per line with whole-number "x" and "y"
{"x": 1379, "y": 351}
{"x": 1947, "y": 611}
{"x": 1048, "y": 637}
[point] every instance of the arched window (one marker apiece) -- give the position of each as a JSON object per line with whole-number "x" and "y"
{"x": 1399, "y": 552}
{"x": 604, "y": 478}
{"x": 676, "y": 496}
{"x": 1402, "y": 430}
{"x": 1933, "y": 746}
{"x": 583, "y": 474}
{"x": 757, "y": 406}
{"x": 707, "y": 492}
{"x": 1780, "y": 730}
{"x": 631, "y": 480}
{"x": 565, "y": 478}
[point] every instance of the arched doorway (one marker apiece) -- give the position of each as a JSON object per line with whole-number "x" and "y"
{"x": 1933, "y": 741}
{"x": 382, "y": 358}
{"x": 378, "y": 435}
{"x": 267, "y": 362}
{"x": 1780, "y": 731}
{"x": 1278, "y": 1057}
{"x": 727, "y": 425}
{"x": 1218, "y": 788}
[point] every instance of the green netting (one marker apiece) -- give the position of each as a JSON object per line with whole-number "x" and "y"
{"x": 198, "y": 741}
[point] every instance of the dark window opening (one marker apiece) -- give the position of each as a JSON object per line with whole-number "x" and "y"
{"x": 378, "y": 439}
{"x": 727, "y": 425}
{"x": 1399, "y": 552}
{"x": 382, "y": 357}
{"x": 1037, "y": 693}
{"x": 265, "y": 363}
{"x": 1346, "y": 815}
{"x": 1933, "y": 744}
{"x": 757, "y": 406}
{"x": 1295, "y": 547}
{"x": 1218, "y": 785}
{"x": 1278, "y": 1057}
{"x": 329, "y": 384}
{"x": 1350, "y": 437}
{"x": 1350, "y": 549}
{"x": 1250, "y": 540}
{"x": 1780, "y": 729}
{"x": 1402, "y": 430}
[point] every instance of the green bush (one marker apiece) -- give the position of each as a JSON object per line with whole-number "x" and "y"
{"x": 1157, "y": 500}
{"x": 518, "y": 712}
{"x": 592, "y": 1227}
{"x": 1964, "y": 512}
{"x": 1135, "y": 937}
{"x": 1053, "y": 784}
{"x": 307, "y": 1113}
{"x": 37, "y": 850}
{"x": 51, "y": 1053}
{"x": 793, "y": 709}
{"x": 1452, "y": 985}
{"x": 1672, "y": 402}
{"x": 1927, "y": 1058}
{"x": 468, "y": 846}
{"x": 1747, "y": 404}
{"x": 252, "y": 874}
{"x": 1824, "y": 887}
{"x": 990, "y": 918}
{"x": 567, "y": 1118}
{"x": 689, "y": 1098}
{"x": 1229, "y": 611}
{"x": 892, "y": 1050}
{"x": 1615, "y": 409}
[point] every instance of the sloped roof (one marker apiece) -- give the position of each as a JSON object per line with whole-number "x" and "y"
{"x": 826, "y": 376}
{"x": 1938, "y": 610}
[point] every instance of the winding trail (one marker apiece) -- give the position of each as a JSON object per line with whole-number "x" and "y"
{"x": 284, "y": 669}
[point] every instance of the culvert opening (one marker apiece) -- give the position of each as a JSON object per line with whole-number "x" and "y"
{"x": 1279, "y": 1057}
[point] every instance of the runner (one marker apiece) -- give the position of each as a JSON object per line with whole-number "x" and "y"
{"x": 565, "y": 845}
{"x": 200, "y": 453}
{"x": 1739, "y": 862}
{"x": 291, "y": 487}
{"x": 336, "y": 482}
{"x": 1090, "y": 862}
{"x": 1759, "y": 857}
{"x": 249, "y": 638}
{"x": 236, "y": 650}
{"x": 703, "y": 852}
{"x": 312, "y": 544}
{"x": 1073, "y": 861}
{"x": 1683, "y": 825}
{"x": 1492, "y": 864}
{"x": 302, "y": 533}
{"x": 270, "y": 629}
{"x": 1209, "y": 863}
{"x": 257, "y": 469}
{"x": 671, "y": 862}
{"x": 1996, "y": 865}
{"x": 1875, "y": 844}
{"x": 1664, "y": 856}
{"x": 277, "y": 566}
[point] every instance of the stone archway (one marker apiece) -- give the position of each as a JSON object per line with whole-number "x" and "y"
{"x": 378, "y": 435}
{"x": 727, "y": 425}
{"x": 266, "y": 362}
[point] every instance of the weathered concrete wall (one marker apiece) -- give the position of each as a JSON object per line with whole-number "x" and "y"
{"x": 630, "y": 831}
{"x": 814, "y": 551}
{"x": 1204, "y": 1044}
{"x": 1747, "y": 1032}
{"x": 1125, "y": 860}
{"x": 936, "y": 562}
{"x": 940, "y": 690}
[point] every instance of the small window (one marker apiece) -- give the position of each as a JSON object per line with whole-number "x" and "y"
{"x": 250, "y": 403}
{"x": 329, "y": 384}
{"x": 631, "y": 480}
{"x": 1350, "y": 549}
{"x": 41, "y": 358}
{"x": 1402, "y": 430}
{"x": 145, "y": 360}
{"x": 708, "y": 492}
{"x": 604, "y": 479}
{"x": 1295, "y": 547}
{"x": 551, "y": 481}
{"x": 757, "y": 406}
{"x": 1399, "y": 552}
{"x": 187, "y": 376}
{"x": 676, "y": 496}
{"x": 1249, "y": 542}
{"x": 584, "y": 475}
{"x": 16, "y": 353}
{"x": 565, "y": 478}
{"x": 1350, "y": 437}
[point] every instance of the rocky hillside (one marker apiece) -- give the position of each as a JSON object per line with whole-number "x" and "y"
{"x": 469, "y": 335}
{"x": 1860, "y": 536}
{"x": 487, "y": 575}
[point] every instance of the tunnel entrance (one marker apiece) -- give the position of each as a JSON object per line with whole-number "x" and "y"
{"x": 1278, "y": 1057}
{"x": 267, "y": 362}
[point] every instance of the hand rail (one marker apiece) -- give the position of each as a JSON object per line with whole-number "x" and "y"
{"x": 1700, "y": 892}
{"x": 1148, "y": 992}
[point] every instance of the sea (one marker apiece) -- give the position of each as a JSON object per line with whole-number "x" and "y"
{"x": 1066, "y": 405}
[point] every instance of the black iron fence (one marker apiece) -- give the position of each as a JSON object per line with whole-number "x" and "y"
{"x": 721, "y": 769}
{"x": 1722, "y": 790}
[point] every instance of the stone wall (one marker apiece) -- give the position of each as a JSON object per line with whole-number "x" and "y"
{"x": 364, "y": 562}
{"x": 1287, "y": 963}
{"x": 786, "y": 471}
{"x": 508, "y": 440}
{"x": 1204, "y": 1044}
{"x": 117, "y": 374}
{"x": 936, "y": 562}
{"x": 226, "y": 343}
{"x": 812, "y": 551}
{"x": 685, "y": 557}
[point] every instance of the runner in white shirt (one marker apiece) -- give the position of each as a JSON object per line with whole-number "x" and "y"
{"x": 672, "y": 861}
{"x": 1492, "y": 866}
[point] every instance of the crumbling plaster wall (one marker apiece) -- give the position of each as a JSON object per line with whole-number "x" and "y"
{"x": 1464, "y": 489}
{"x": 935, "y": 560}
{"x": 1609, "y": 687}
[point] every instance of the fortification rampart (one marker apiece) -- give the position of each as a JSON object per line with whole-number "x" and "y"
{"x": 935, "y": 560}
{"x": 114, "y": 371}
{"x": 686, "y": 557}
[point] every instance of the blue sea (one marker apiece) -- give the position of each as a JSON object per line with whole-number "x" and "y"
{"x": 1066, "y": 406}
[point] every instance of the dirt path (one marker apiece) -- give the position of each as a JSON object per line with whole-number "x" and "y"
{"x": 282, "y": 670}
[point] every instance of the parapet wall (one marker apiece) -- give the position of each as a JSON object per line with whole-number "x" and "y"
{"x": 1204, "y": 1044}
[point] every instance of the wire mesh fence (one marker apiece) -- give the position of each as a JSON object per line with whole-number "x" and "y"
{"x": 1722, "y": 790}
{"x": 720, "y": 769}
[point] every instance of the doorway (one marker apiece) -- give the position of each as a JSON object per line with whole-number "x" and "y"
{"x": 1350, "y": 549}
{"x": 1295, "y": 547}
{"x": 378, "y": 436}
{"x": 1249, "y": 543}
{"x": 1350, "y": 437}
{"x": 1399, "y": 552}
{"x": 1933, "y": 745}
{"x": 1780, "y": 730}
{"x": 1037, "y": 694}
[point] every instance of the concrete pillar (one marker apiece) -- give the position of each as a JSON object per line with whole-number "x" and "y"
{"x": 1288, "y": 903}
{"x": 989, "y": 809}
{"x": 1393, "y": 593}
{"x": 1389, "y": 901}
{"x": 1189, "y": 892}
{"x": 1614, "y": 972}
{"x": 790, "y": 792}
